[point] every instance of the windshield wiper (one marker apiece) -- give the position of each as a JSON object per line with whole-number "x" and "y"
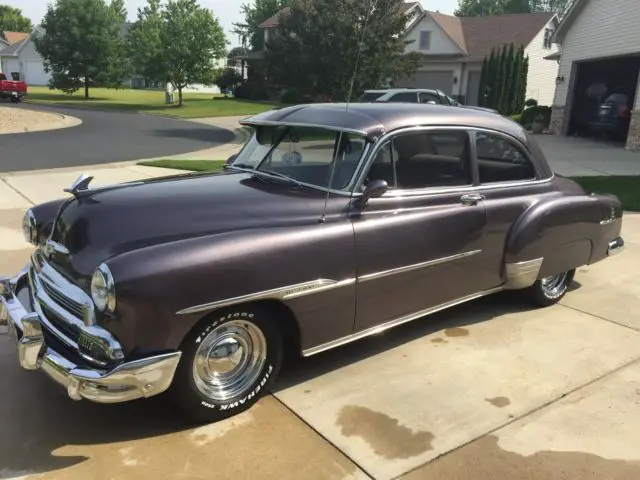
{"x": 279, "y": 175}
{"x": 239, "y": 166}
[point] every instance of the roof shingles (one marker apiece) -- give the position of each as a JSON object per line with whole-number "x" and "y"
{"x": 15, "y": 37}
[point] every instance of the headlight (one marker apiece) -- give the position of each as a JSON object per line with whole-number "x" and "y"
{"x": 103, "y": 289}
{"x": 29, "y": 229}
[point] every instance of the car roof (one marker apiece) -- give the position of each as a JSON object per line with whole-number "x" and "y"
{"x": 400, "y": 90}
{"x": 375, "y": 119}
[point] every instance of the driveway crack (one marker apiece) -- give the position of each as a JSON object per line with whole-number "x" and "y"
{"x": 4, "y": 180}
{"x": 599, "y": 317}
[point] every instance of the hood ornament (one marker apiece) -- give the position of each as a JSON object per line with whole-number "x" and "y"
{"x": 80, "y": 185}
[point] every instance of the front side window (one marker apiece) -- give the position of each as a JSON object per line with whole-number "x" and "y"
{"x": 429, "y": 159}
{"x": 500, "y": 160}
{"x": 410, "y": 97}
{"x": 426, "y": 97}
{"x": 303, "y": 154}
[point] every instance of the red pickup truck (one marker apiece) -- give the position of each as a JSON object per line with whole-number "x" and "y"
{"x": 12, "y": 89}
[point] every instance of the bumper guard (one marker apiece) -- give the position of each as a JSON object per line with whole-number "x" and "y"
{"x": 141, "y": 378}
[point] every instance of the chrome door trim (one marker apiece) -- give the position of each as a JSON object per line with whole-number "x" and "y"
{"x": 281, "y": 293}
{"x": 395, "y": 322}
{"x": 415, "y": 266}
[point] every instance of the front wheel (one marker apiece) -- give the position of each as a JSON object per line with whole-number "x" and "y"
{"x": 549, "y": 290}
{"x": 228, "y": 362}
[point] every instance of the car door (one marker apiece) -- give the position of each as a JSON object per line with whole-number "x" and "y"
{"x": 509, "y": 183}
{"x": 420, "y": 244}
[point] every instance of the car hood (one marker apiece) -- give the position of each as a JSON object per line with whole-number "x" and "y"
{"x": 99, "y": 225}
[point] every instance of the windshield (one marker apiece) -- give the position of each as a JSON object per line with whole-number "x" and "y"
{"x": 304, "y": 154}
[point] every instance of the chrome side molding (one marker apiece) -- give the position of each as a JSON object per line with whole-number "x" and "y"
{"x": 416, "y": 266}
{"x": 281, "y": 293}
{"x": 522, "y": 274}
{"x": 395, "y": 322}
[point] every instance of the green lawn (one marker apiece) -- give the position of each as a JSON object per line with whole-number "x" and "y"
{"x": 626, "y": 188}
{"x": 149, "y": 101}
{"x": 192, "y": 165}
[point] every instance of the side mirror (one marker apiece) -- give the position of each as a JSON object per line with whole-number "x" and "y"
{"x": 231, "y": 159}
{"x": 376, "y": 188}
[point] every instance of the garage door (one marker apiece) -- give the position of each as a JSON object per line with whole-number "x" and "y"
{"x": 436, "y": 80}
{"x": 35, "y": 74}
{"x": 10, "y": 65}
{"x": 473, "y": 88}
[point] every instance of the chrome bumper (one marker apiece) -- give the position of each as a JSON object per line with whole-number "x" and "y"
{"x": 615, "y": 246}
{"x": 128, "y": 381}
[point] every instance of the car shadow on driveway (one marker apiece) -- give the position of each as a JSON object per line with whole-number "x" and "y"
{"x": 39, "y": 420}
{"x": 451, "y": 322}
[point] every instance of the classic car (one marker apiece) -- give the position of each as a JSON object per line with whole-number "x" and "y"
{"x": 415, "y": 95}
{"x": 333, "y": 222}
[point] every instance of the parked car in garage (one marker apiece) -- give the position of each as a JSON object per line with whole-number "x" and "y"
{"x": 613, "y": 117}
{"x": 415, "y": 95}
{"x": 14, "y": 90}
{"x": 330, "y": 225}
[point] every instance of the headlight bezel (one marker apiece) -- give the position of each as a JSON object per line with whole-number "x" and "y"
{"x": 103, "y": 289}
{"x": 30, "y": 227}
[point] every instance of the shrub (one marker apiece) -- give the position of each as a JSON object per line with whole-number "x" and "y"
{"x": 251, "y": 91}
{"x": 290, "y": 96}
{"x": 532, "y": 102}
{"x": 541, "y": 112}
{"x": 228, "y": 79}
{"x": 517, "y": 118}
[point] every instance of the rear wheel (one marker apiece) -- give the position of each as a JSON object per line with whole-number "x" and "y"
{"x": 549, "y": 290}
{"x": 228, "y": 362}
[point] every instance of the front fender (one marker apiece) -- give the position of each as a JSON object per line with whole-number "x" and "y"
{"x": 45, "y": 215}
{"x": 153, "y": 284}
{"x": 565, "y": 231}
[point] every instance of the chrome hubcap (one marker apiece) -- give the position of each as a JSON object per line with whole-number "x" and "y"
{"x": 229, "y": 360}
{"x": 554, "y": 286}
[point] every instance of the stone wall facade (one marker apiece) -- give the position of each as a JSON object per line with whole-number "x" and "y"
{"x": 633, "y": 138}
{"x": 556, "y": 125}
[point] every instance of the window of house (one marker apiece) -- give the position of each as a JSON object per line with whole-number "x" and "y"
{"x": 424, "y": 160}
{"x": 548, "y": 36}
{"x": 425, "y": 40}
{"x": 500, "y": 160}
{"x": 404, "y": 97}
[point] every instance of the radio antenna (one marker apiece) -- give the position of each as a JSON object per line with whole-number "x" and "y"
{"x": 372, "y": 7}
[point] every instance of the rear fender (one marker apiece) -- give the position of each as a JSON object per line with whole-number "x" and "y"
{"x": 558, "y": 234}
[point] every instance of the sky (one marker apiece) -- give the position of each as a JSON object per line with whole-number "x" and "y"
{"x": 227, "y": 11}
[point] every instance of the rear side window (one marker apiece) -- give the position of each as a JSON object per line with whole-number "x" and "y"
{"x": 405, "y": 97}
{"x": 500, "y": 160}
{"x": 426, "y": 96}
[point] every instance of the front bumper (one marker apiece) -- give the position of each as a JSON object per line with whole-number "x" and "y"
{"x": 140, "y": 378}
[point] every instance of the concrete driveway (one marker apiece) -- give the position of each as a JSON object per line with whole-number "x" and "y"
{"x": 491, "y": 390}
{"x": 106, "y": 137}
{"x": 573, "y": 156}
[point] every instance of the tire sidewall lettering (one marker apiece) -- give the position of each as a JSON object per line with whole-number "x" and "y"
{"x": 247, "y": 315}
{"x": 241, "y": 401}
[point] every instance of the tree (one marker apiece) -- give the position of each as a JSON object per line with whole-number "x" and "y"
{"x": 503, "y": 80}
{"x": 249, "y": 29}
{"x": 304, "y": 56}
{"x": 82, "y": 44}
{"x": 228, "y": 79}
{"x": 183, "y": 41}
{"x": 475, "y": 8}
{"x": 12, "y": 20}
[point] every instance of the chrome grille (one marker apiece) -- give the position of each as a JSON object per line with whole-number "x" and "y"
{"x": 73, "y": 307}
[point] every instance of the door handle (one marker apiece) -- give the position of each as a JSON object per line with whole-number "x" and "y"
{"x": 471, "y": 198}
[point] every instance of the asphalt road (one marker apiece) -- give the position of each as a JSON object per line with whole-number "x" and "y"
{"x": 104, "y": 137}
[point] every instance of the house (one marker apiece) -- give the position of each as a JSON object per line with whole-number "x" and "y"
{"x": 599, "y": 56}
{"x": 17, "y": 56}
{"x": 454, "y": 48}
